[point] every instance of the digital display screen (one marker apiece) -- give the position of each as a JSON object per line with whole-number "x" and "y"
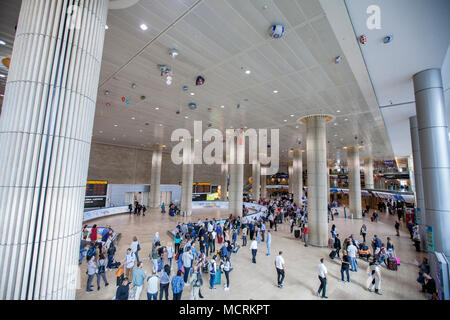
{"x": 96, "y": 188}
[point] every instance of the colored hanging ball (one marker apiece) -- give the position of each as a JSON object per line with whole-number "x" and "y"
{"x": 143, "y": 97}
{"x": 128, "y": 101}
{"x": 123, "y": 99}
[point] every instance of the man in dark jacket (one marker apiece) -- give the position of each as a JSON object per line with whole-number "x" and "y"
{"x": 337, "y": 245}
{"x": 123, "y": 290}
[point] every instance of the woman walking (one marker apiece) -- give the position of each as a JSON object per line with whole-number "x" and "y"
{"x": 226, "y": 268}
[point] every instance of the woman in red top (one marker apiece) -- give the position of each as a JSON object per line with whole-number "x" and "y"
{"x": 305, "y": 234}
{"x": 94, "y": 233}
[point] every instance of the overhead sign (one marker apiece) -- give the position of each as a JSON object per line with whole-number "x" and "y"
{"x": 430, "y": 238}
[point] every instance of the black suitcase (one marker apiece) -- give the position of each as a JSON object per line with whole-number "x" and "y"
{"x": 297, "y": 233}
{"x": 333, "y": 254}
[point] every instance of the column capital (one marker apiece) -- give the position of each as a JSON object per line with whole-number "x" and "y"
{"x": 328, "y": 117}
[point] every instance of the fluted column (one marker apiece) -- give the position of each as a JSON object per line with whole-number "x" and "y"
{"x": 45, "y": 137}
{"x": 187, "y": 180}
{"x": 155, "y": 179}
{"x": 368, "y": 173}
{"x": 291, "y": 177}
{"x": 412, "y": 184}
{"x": 263, "y": 183}
{"x": 434, "y": 154}
{"x": 256, "y": 180}
{"x": 236, "y": 166}
{"x": 224, "y": 182}
{"x": 297, "y": 176}
{"x": 354, "y": 181}
{"x": 419, "y": 196}
{"x": 316, "y": 152}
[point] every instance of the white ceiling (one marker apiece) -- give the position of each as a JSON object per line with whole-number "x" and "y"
{"x": 217, "y": 39}
{"x": 421, "y": 40}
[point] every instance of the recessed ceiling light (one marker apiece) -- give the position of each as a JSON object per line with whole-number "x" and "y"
{"x": 144, "y": 27}
{"x": 275, "y": 91}
{"x": 335, "y": 124}
{"x": 3, "y": 43}
{"x": 156, "y": 108}
{"x": 140, "y": 130}
{"x": 346, "y": 119}
{"x": 296, "y": 127}
{"x": 186, "y": 117}
{"x": 285, "y": 120}
{"x": 106, "y": 27}
{"x": 100, "y": 131}
{"x": 338, "y": 111}
{"x": 133, "y": 118}
{"x": 292, "y": 115}
{"x": 247, "y": 72}
{"x": 160, "y": 125}
{"x": 116, "y": 125}
{"x": 335, "y": 135}
{"x": 222, "y": 107}
{"x": 192, "y": 94}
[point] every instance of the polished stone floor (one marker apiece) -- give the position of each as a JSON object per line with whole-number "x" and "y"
{"x": 258, "y": 281}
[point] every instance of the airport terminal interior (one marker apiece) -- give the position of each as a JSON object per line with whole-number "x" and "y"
{"x": 224, "y": 149}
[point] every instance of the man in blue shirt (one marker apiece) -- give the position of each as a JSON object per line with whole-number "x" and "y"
{"x": 138, "y": 280}
{"x": 177, "y": 286}
{"x": 187, "y": 262}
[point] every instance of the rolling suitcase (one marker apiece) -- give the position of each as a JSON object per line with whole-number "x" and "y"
{"x": 333, "y": 254}
{"x": 297, "y": 233}
{"x": 392, "y": 264}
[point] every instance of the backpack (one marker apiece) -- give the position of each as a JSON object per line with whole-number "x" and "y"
{"x": 90, "y": 253}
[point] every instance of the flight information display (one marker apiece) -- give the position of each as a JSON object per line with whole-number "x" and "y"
{"x": 96, "y": 188}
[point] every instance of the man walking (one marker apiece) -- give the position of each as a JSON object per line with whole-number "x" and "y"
{"x": 351, "y": 249}
{"x": 138, "y": 280}
{"x": 281, "y": 268}
{"x": 268, "y": 242}
{"x": 254, "y": 248}
{"x": 152, "y": 286}
{"x": 187, "y": 262}
{"x": 322, "y": 271}
{"x": 130, "y": 258}
{"x": 337, "y": 245}
{"x": 305, "y": 234}
{"x": 244, "y": 236}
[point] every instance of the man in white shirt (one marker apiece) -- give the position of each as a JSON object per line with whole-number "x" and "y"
{"x": 322, "y": 271}
{"x": 187, "y": 263}
{"x": 254, "y": 248}
{"x": 279, "y": 265}
{"x": 152, "y": 286}
{"x": 351, "y": 249}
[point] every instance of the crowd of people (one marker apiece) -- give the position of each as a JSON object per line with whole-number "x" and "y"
{"x": 206, "y": 247}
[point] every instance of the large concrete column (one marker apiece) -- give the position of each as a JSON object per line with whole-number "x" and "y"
{"x": 155, "y": 179}
{"x": 256, "y": 180}
{"x": 291, "y": 177}
{"x": 434, "y": 154}
{"x": 328, "y": 186}
{"x": 368, "y": 173}
{"x": 297, "y": 176}
{"x": 316, "y": 152}
{"x": 420, "y": 201}
{"x": 224, "y": 182}
{"x": 412, "y": 184}
{"x": 236, "y": 162}
{"x": 263, "y": 183}
{"x": 354, "y": 182}
{"x": 187, "y": 176}
{"x": 45, "y": 138}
